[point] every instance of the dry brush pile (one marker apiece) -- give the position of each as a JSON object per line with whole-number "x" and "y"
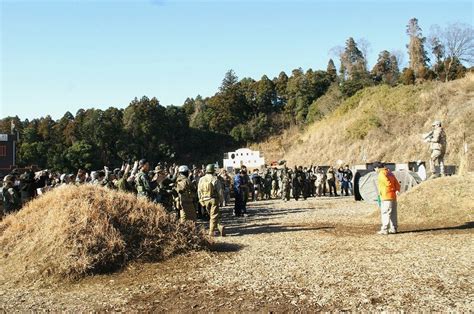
{"x": 73, "y": 231}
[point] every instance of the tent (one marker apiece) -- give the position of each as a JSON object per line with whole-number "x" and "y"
{"x": 365, "y": 185}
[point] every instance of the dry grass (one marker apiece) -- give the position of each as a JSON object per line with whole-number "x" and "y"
{"x": 384, "y": 123}
{"x": 75, "y": 231}
{"x": 442, "y": 201}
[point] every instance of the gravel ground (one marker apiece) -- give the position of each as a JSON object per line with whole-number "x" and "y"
{"x": 319, "y": 254}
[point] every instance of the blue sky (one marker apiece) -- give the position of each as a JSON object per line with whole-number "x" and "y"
{"x": 59, "y": 56}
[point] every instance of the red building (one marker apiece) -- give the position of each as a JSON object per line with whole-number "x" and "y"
{"x": 7, "y": 152}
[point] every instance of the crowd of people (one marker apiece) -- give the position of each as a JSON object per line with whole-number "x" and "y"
{"x": 190, "y": 192}
{"x": 199, "y": 192}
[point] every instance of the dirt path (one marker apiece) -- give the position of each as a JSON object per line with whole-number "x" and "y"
{"x": 319, "y": 254}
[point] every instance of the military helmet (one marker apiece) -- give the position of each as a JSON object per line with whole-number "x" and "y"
{"x": 211, "y": 168}
{"x": 183, "y": 169}
{"x": 142, "y": 162}
{"x": 436, "y": 123}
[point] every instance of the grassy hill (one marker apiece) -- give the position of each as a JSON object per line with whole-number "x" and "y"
{"x": 382, "y": 123}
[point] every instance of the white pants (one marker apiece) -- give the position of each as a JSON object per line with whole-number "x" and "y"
{"x": 388, "y": 211}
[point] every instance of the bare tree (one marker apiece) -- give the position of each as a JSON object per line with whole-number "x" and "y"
{"x": 400, "y": 56}
{"x": 336, "y": 52}
{"x": 365, "y": 47}
{"x": 458, "y": 42}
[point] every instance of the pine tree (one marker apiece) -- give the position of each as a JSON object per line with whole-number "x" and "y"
{"x": 352, "y": 61}
{"x": 386, "y": 69}
{"x": 230, "y": 79}
{"x": 331, "y": 69}
{"x": 281, "y": 84}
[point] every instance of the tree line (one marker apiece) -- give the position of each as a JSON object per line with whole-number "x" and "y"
{"x": 242, "y": 111}
{"x": 93, "y": 138}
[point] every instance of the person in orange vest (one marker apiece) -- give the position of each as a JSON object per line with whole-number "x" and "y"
{"x": 388, "y": 188}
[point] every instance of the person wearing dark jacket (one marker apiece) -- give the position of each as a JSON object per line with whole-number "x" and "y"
{"x": 346, "y": 183}
{"x": 331, "y": 179}
{"x": 27, "y": 186}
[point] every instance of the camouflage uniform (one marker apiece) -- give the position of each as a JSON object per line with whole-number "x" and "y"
{"x": 209, "y": 191}
{"x": 142, "y": 182}
{"x": 438, "y": 150}
{"x": 285, "y": 185}
{"x": 186, "y": 193}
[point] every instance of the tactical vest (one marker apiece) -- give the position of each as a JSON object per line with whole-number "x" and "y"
{"x": 140, "y": 184}
{"x": 184, "y": 187}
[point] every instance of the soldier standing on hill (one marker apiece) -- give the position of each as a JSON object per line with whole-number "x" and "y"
{"x": 438, "y": 149}
{"x": 209, "y": 191}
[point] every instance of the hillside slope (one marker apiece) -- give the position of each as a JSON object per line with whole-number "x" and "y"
{"x": 383, "y": 123}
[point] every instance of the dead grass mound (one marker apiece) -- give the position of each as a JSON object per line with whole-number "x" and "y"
{"x": 437, "y": 203}
{"x": 441, "y": 201}
{"x": 73, "y": 231}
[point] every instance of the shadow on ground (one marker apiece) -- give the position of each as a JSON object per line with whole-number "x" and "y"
{"x": 270, "y": 228}
{"x": 466, "y": 226}
{"x": 223, "y": 247}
